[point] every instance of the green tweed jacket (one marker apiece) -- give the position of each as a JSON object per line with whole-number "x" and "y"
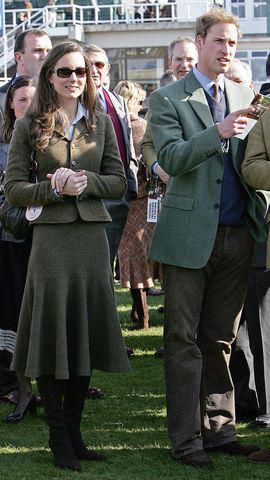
{"x": 96, "y": 152}
{"x": 256, "y": 164}
{"x": 189, "y": 150}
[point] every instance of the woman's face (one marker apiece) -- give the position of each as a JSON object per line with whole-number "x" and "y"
{"x": 22, "y": 99}
{"x": 71, "y": 87}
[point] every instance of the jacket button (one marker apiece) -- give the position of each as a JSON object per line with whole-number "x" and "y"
{"x": 73, "y": 162}
{"x": 219, "y": 181}
{"x": 216, "y": 205}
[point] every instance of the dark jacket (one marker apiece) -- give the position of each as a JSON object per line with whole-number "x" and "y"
{"x": 265, "y": 88}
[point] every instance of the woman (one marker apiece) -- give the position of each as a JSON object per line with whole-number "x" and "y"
{"x": 135, "y": 272}
{"x": 68, "y": 322}
{"x": 14, "y": 255}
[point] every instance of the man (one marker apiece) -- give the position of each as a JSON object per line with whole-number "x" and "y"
{"x": 204, "y": 239}
{"x": 183, "y": 55}
{"x": 116, "y": 107}
{"x": 265, "y": 88}
{"x": 30, "y": 49}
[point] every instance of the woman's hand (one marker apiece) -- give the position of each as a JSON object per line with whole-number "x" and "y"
{"x": 75, "y": 183}
{"x": 59, "y": 178}
{"x": 67, "y": 182}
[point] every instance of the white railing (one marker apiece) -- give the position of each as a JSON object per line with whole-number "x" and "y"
{"x": 126, "y": 12}
{"x": 7, "y": 41}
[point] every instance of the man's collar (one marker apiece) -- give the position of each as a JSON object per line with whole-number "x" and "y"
{"x": 206, "y": 82}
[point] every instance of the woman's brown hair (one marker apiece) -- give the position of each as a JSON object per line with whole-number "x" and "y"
{"x": 44, "y": 111}
{"x": 9, "y": 114}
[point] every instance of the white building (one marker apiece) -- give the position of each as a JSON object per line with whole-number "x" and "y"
{"x": 136, "y": 35}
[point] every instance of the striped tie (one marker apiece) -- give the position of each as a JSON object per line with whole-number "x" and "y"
{"x": 216, "y": 96}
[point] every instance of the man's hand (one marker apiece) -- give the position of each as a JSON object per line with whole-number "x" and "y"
{"x": 164, "y": 177}
{"x": 234, "y": 124}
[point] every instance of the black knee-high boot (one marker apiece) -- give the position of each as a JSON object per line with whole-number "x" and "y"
{"x": 52, "y": 392}
{"x": 75, "y": 393}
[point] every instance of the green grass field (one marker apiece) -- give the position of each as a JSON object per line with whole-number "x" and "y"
{"x": 128, "y": 425}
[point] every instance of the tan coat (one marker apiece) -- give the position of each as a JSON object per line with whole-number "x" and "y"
{"x": 256, "y": 164}
{"x": 95, "y": 152}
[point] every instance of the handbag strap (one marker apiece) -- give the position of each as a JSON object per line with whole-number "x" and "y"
{"x": 33, "y": 167}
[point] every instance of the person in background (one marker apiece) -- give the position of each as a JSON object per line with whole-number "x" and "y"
{"x": 135, "y": 272}
{"x": 240, "y": 72}
{"x": 14, "y": 255}
{"x": 256, "y": 171}
{"x": 265, "y": 88}
{"x": 167, "y": 77}
{"x": 182, "y": 55}
{"x": 250, "y": 359}
{"x": 30, "y": 50}
{"x": 68, "y": 322}
{"x": 52, "y": 14}
{"x": 117, "y": 109}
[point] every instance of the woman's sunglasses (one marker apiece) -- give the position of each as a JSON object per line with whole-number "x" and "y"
{"x": 64, "y": 72}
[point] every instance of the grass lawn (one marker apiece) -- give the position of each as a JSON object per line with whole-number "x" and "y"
{"x": 128, "y": 425}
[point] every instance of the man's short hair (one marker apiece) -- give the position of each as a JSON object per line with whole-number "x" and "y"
{"x": 19, "y": 42}
{"x": 179, "y": 40}
{"x": 93, "y": 49}
{"x": 167, "y": 78}
{"x": 213, "y": 17}
{"x": 267, "y": 66}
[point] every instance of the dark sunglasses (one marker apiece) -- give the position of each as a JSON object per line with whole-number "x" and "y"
{"x": 99, "y": 65}
{"x": 65, "y": 72}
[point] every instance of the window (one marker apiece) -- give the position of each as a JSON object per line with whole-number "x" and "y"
{"x": 238, "y": 8}
{"x": 241, "y": 55}
{"x": 143, "y": 65}
{"x": 259, "y": 8}
{"x": 257, "y": 61}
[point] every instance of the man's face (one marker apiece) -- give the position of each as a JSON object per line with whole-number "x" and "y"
{"x": 184, "y": 57}
{"x": 217, "y": 49}
{"x": 99, "y": 68}
{"x": 36, "y": 48}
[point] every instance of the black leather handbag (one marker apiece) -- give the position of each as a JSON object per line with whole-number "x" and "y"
{"x": 13, "y": 218}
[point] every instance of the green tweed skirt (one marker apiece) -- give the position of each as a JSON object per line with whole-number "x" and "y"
{"x": 68, "y": 322}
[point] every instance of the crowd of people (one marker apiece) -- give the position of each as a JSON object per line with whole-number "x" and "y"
{"x": 98, "y": 165}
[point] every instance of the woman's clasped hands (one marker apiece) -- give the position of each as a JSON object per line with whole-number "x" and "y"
{"x": 68, "y": 182}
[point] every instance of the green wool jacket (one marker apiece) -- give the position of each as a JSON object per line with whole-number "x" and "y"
{"x": 189, "y": 149}
{"x": 95, "y": 152}
{"x": 256, "y": 164}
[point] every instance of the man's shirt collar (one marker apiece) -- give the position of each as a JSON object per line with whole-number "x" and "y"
{"x": 206, "y": 82}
